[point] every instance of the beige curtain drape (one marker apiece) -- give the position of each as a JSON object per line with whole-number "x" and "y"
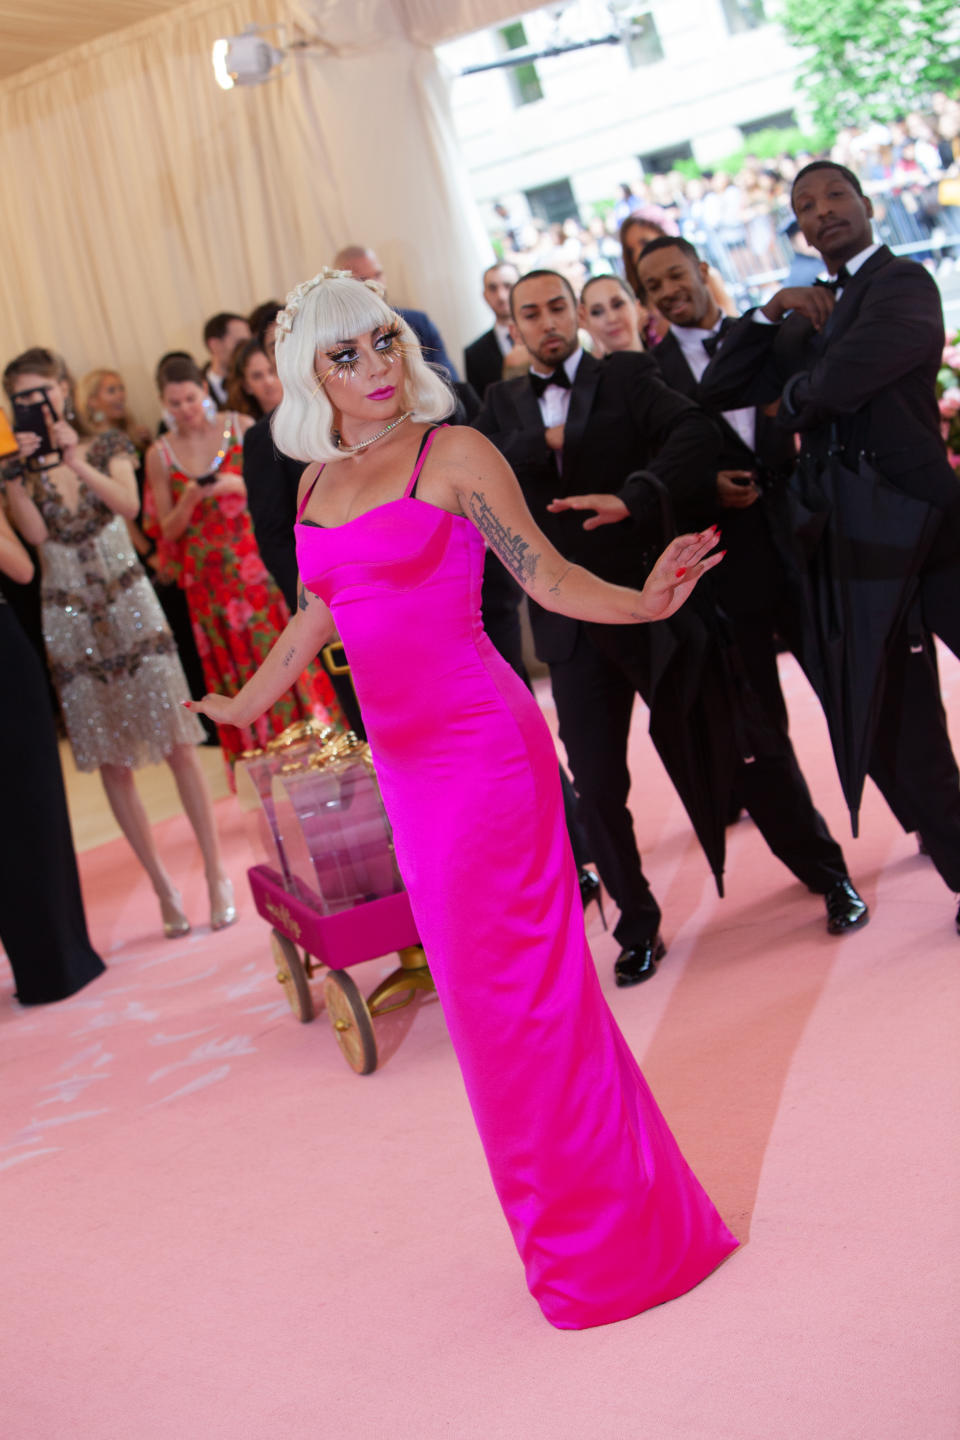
{"x": 139, "y": 198}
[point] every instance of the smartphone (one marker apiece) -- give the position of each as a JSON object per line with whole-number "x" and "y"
{"x": 30, "y": 411}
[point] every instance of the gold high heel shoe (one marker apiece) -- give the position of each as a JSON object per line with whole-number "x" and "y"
{"x": 175, "y": 923}
{"x": 223, "y": 910}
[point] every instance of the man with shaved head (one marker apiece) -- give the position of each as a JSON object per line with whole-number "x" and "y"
{"x": 361, "y": 261}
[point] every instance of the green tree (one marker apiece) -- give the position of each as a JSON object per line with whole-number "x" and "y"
{"x": 872, "y": 59}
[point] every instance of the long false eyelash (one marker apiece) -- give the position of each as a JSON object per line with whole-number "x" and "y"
{"x": 395, "y": 350}
{"x": 343, "y": 368}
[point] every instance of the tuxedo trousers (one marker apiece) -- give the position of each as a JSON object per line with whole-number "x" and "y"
{"x": 912, "y": 762}
{"x": 594, "y": 691}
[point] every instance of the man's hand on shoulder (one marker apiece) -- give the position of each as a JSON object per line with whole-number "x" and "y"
{"x": 816, "y": 302}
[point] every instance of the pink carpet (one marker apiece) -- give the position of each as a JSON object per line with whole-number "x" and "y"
{"x": 213, "y": 1230}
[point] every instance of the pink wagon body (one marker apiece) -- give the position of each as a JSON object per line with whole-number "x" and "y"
{"x": 330, "y": 888}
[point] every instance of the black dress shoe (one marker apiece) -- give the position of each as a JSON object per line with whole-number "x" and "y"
{"x": 639, "y": 962}
{"x": 845, "y": 910}
{"x": 590, "y": 890}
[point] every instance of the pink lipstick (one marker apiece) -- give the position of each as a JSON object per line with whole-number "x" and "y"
{"x": 386, "y": 393}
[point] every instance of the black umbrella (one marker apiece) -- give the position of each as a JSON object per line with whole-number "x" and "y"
{"x": 863, "y": 542}
{"x": 694, "y": 715}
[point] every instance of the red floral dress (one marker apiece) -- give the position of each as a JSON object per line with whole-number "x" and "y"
{"x": 236, "y": 609}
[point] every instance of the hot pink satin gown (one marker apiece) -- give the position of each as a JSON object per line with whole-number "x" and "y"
{"x": 605, "y": 1212}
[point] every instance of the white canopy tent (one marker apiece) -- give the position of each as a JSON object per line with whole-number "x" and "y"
{"x": 140, "y": 198}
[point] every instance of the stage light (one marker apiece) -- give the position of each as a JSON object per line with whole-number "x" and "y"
{"x": 245, "y": 59}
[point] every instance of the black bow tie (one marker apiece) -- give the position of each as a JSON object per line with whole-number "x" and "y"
{"x": 541, "y": 382}
{"x": 841, "y": 278}
{"x": 712, "y": 341}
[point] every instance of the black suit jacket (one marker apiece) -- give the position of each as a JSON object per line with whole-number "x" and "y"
{"x": 483, "y": 362}
{"x": 752, "y": 577}
{"x": 622, "y": 418}
{"x": 869, "y": 376}
{"x": 272, "y": 481}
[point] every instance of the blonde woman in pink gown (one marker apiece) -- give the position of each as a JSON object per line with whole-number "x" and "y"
{"x": 395, "y": 512}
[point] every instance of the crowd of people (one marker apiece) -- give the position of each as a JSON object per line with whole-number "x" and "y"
{"x": 741, "y": 220}
{"x": 331, "y": 469}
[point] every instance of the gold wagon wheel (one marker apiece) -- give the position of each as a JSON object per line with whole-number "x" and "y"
{"x": 351, "y": 1022}
{"x": 292, "y": 976}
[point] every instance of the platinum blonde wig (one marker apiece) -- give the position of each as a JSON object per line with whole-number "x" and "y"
{"x": 319, "y": 315}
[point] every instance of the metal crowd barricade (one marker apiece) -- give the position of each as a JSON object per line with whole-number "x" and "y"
{"x": 921, "y": 220}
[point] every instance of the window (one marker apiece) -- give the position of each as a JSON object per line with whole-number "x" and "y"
{"x": 642, "y": 44}
{"x": 743, "y": 15}
{"x": 783, "y": 120}
{"x": 553, "y": 203}
{"x": 661, "y": 162}
{"x": 523, "y": 80}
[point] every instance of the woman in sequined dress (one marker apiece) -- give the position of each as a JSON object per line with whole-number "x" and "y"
{"x": 195, "y": 475}
{"x": 111, "y": 654}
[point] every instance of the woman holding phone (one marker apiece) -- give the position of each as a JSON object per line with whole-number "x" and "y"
{"x": 111, "y": 654}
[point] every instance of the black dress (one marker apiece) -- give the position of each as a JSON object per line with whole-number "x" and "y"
{"x": 42, "y": 925}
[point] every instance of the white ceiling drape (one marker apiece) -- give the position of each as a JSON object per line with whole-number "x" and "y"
{"x": 139, "y": 198}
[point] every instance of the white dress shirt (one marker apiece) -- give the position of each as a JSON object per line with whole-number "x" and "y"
{"x": 502, "y": 331}
{"x": 555, "y": 400}
{"x": 691, "y": 341}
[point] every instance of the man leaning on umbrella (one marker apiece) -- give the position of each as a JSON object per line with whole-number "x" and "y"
{"x": 853, "y": 364}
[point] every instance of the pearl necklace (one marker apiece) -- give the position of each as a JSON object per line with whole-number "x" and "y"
{"x": 362, "y": 444}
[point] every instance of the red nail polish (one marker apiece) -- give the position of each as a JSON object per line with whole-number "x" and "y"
{"x": 681, "y": 572}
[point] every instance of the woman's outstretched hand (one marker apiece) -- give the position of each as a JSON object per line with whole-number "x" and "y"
{"x": 673, "y": 578}
{"x": 221, "y": 709}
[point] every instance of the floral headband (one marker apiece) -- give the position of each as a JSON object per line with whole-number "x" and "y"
{"x": 285, "y": 317}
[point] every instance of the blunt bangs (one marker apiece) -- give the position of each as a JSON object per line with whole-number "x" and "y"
{"x": 338, "y": 308}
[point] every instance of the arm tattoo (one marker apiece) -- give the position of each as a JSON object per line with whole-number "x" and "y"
{"x": 555, "y": 587}
{"x": 303, "y": 599}
{"x": 289, "y": 656}
{"x": 512, "y": 549}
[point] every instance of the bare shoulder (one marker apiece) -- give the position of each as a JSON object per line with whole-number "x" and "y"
{"x": 153, "y": 460}
{"x": 461, "y": 447}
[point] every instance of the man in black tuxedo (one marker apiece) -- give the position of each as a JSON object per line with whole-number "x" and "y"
{"x": 852, "y": 365}
{"x": 222, "y": 333}
{"x": 756, "y": 459}
{"x": 574, "y": 423}
{"x": 483, "y": 359}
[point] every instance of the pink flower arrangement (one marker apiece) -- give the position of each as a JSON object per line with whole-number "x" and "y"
{"x": 948, "y": 398}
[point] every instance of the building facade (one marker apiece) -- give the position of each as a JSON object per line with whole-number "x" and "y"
{"x": 554, "y": 137}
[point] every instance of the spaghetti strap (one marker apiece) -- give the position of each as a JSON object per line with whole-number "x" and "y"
{"x": 306, "y": 499}
{"x": 425, "y": 444}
